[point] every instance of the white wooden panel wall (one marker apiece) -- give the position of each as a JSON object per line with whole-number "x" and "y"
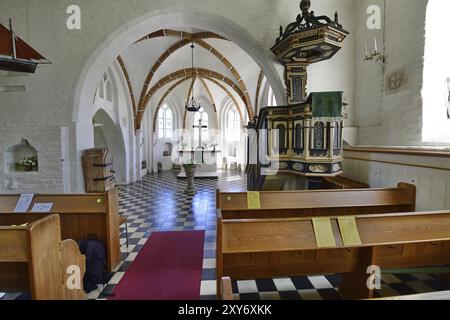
{"x": 433, "y": 185}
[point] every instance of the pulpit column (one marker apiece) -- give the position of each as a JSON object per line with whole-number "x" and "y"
{"x": 307, "y": 138}
{"x": 296, "y": 78}
{"x": 331, "y": 140}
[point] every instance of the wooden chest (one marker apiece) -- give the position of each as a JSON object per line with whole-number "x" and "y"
{"x": 98, "y": 172}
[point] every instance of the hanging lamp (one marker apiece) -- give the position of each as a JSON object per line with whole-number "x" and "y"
{"x": 192, "y": 105}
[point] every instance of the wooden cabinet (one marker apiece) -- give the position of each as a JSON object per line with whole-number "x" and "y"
{"x": 98, "y": 170}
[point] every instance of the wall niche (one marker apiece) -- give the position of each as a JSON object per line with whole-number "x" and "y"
{"x": 22, "y": 158}
{"x": 167, "y": 151}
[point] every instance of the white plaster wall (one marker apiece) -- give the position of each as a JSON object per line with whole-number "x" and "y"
{"x": 51, "y": 94}
{"x": 145, "y": 53}
{"x": 158, "y": 144}
{"x": 394, "y": 119}
{"x": 49, "y": 98}
{"x": 433, "y": 185}
{"x": 248, "y": 69}
{"x": 338, "y": 73}
{"x": 47, "y": 142}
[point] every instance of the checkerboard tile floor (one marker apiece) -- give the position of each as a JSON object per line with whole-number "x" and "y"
{"x": 158, "y": 203}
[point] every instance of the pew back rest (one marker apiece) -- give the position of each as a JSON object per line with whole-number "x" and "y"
{"x": 67, "y": 203}
{"x": 319, "y": 202}
{"x": 81, "y": 215}
{"x": 293, "y": 234}
{"x": 30, "y": 257}
{"x": 72, "y": 277}
{"x": 271, "y": 248}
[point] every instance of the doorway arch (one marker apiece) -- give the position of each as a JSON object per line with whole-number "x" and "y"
{"x": 118, "y": 41}
{"x": 172, "y": 18}
{"x": 108, "y": 135}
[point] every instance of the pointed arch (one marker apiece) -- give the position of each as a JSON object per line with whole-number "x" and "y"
{"x": 156, "y": 66}
{"x": 181, "y": 34}
{"x": 210, "y": 49}
{"x": 258, "y": 90}
{"x": 209, "y": 94}
{"x": 164, "y": 97}
{"x": 217, "y": 83}
{"x": 233, "y": 70}
{"x": 129, "y": 84}
{"x": 205, "y": 73}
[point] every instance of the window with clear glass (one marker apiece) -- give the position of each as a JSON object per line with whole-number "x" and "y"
{"x": 271, "y": 101}
{"x": 448, "y": 102}
{"x": 105, "y": 88}
{"x": 233, "y": 128}
{"x": 165, "y": 123}
{"x": 203, "y": 115}
{"x": 436, "y": 71}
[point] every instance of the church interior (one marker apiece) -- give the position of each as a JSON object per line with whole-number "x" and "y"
{"x": 224, "y": 150}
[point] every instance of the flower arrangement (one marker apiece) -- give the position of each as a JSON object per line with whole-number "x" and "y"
{"x": 27, "y": 164}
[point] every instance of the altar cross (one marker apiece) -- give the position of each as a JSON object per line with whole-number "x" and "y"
{"x": 200, "y": 127}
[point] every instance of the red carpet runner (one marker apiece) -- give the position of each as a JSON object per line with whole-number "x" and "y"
{"x": 169, "y": 267}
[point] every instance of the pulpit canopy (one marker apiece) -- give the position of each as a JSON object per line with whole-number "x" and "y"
{"x": 310, "y": 38}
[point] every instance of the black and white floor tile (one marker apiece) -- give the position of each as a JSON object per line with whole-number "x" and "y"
{"x": 159, "y": 203}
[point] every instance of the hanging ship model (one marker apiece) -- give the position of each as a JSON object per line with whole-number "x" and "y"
{"x": 16, "y": 55}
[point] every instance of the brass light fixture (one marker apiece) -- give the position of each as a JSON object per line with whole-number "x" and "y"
{"x": 192, "y": 105}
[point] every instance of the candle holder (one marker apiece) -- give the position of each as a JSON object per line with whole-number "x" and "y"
{"x": 373, "y": 54}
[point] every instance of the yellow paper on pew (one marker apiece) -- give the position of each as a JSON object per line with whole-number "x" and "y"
{"x": 253, "y": 200}
{"x": 323, "y": 232}
{"x": 349, "y": 231}
{"x": 22, "y": 225}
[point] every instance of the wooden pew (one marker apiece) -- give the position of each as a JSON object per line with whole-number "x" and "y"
{"x": 342, "y": 183}
{"x": 440, "y": 295}
{"x": 286, "y": 247}
{"x": 33, "y": 258}
{"x": 280, "y": 204}
{"x": 226, "y": 289}
{"x": 81, "y": 215}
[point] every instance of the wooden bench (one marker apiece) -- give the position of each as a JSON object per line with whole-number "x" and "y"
{"x": 81, "y": 215}
{"x": 280, "y": 204}
{"x": 440, "y": 295}
{"x": 33, "y": 258}
{"x": 286, "y": 247}
{"x": 227, "y": 294}
{"x": 342, "y": 183}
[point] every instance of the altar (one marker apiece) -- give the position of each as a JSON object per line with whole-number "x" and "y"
{"x": 206, "y": 161}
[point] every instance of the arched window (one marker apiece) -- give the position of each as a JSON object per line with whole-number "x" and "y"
{"x": 105, "y": 88}
{"x": 337, "y": 136}
{"x": 203, "y": 115}
{"x": 299, "y": 136}
{"x": 271, "y": 101}
{"x": 233, "y": 127}
{"x": 436, "y": 88}
{"x": 319, "y": 132}
{"x": 232, "y": 132}
{"x": 101, "y": 88}
{"x": 165, "y": 123}
{"x": 109, "y": 90}
{"x": 282, "y": 138}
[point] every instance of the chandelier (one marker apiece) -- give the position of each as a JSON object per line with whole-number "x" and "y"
{"x": 191, "y": 105}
